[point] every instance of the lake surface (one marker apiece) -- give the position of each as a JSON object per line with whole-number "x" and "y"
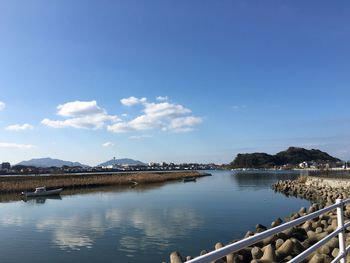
{"x": 142, "y": 224}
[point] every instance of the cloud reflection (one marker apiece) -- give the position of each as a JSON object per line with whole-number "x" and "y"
{"x": 159, "y": 230}
{"x": 134, "y": 230}
{"x": 11, "y": 220}
{"x": 73, "y": 233}
{"x": 171, "y": 223}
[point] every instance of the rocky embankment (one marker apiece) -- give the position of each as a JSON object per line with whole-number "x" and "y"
{"x": 283, "y": 246}
{"x": 322, "y": 191}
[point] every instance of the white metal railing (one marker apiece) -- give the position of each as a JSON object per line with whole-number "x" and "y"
{"x": 234, "y": 247}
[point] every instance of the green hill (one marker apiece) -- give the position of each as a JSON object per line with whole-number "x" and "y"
{"x": 293, "y": 156}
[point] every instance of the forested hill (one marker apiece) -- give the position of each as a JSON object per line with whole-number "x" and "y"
{"x": 293, "y": 156}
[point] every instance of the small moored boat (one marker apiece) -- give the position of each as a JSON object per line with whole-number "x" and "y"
{"x": 189, "y": 179}
{"x": 41, "y": 191}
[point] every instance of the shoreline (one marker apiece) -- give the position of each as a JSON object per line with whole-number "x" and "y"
{"x": 9, "y": 197}
{"x": 17, "y": 184}
{"x": 287, "y": 244}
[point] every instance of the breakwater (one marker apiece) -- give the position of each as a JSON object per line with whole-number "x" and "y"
{"x": 283, "y": 246}
{"x": 16, "y": 184}
{"x": 322, "y": 191}
{"x": 341, "y": 173}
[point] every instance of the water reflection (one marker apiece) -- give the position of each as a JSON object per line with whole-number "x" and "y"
{"x": 40, "y": 199}
{"x": 129, "y": 245}
{"x": 261, "y": 179}
{"x": 4, "y": 198}
{"x": 147, "y": 227}
{"x": 12, "y": 220}
{"x": 179, "y": 222}
{"x": 140, "y": 188}
{"x": 70, "y": 233}
{"x": 141, "y": 224}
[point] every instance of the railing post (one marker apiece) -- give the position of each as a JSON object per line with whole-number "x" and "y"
{"x": 341, "y": 234}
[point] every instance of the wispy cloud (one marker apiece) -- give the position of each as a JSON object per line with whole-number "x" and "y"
{"x": 16, "y": 145}
{"x": 81, "y": 114}
{"x": 108, "y": 144}
{"x": 239, "y": 107}
{"x": 2, "y": 105}
{"x": 164, "y": 116}
{"x": 184, "y": 124}
{"x": 139, "y": 137}
{"x": 161, "y": 98}
{"x": 20, "y": 127}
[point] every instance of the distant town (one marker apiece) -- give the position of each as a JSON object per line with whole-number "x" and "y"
{"x": 294, "y": 158}
{"x": 8, "y": 169}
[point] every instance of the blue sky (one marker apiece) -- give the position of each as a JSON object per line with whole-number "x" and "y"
{"x": 201, "y": 80}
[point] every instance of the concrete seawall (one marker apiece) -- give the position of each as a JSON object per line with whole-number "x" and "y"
{"x": 284, "y": 246}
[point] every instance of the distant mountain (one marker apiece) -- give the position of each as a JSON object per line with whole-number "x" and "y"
{"x": 121, "y": 162}
{"x": 49, "y": 162}
{"x": 293, "y": 155}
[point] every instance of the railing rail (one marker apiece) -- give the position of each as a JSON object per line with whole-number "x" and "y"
{"x": 234, "y": 247}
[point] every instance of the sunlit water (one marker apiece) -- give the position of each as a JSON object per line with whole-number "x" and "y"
{"x": 141, "y": 224}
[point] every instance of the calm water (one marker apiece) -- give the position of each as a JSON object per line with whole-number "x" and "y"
{"x": 141, "y": 224}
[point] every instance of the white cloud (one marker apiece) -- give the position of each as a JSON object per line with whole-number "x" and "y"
{"x": 16, "y": 145}
{"x": 54, "y": 124}
{"x": 79, "y": 108}
{"x": 139, "y": 137}
{"x": 163, "y": 115}
{"x": 184, "y": 124}
{"x": 131, "y": 101}
{"x": 19, "y": 127}
{"x": 164, "y": 109}
{"x": 145, "y": 122}
{"x": 81, "y": 114}
{"x": 108, "y": 144}
{"x": 161, "y": 98}
{"x": 119, "y": 127}
{"x": 2, "y": 105}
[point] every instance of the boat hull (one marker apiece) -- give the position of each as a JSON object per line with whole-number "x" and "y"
{"x": 44, "y": 193}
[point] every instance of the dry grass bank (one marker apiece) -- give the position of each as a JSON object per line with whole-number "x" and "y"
{"x": 17, "y": 184}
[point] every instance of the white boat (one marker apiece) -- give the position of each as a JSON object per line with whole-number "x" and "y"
{"x": 41, "y": 191}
